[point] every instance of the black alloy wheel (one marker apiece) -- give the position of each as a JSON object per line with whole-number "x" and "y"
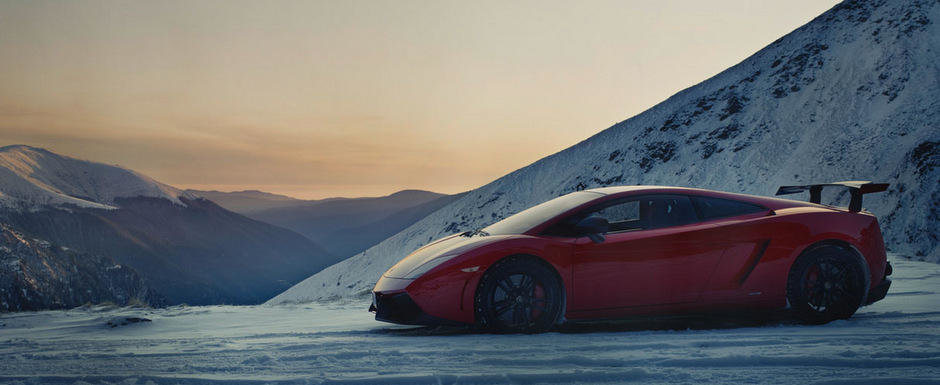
{"x": 825, "y": 284}
{"x": 519, "y": 295}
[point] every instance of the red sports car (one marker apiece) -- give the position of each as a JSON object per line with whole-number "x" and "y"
{"x": 628, "y": 251}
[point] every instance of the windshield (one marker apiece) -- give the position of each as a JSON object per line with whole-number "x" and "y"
{"x": 527, "y": 219}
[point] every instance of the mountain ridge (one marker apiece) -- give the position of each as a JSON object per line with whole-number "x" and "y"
{"x": 33, "y": 176}
{"x": 342, "y": 226}
{"x": 252, "y": 201}
{"x": 246, "y": 201}
{"x": 187, "y": 248}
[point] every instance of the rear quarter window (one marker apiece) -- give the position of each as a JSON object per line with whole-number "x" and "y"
{"x": 713, "y": 208}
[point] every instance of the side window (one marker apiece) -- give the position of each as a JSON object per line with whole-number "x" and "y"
{"x": 639, "y": 213}
{"x": 622, "y": 216}
{"x": 714, "y": 208}
{"x": 669, "y": 210}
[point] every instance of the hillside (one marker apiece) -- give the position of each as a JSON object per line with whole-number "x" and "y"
{"x": 33, "y": 177}
{"x": 37, "y": 275}
{"x": 852, "y": 95}
{"x": 186, "y": 248}
{"x": 357, "y": 237}
{"x": 342, "y": 226}
{"x": 247, "y": 201}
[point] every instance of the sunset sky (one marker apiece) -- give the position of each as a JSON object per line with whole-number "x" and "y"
{"x": 354, "y": 98}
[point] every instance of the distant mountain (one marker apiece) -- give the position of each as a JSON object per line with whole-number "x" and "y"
{"x": 342, "y": 226}
{"x": 34, "y": 177}
{"x": 36, "y": 275}
{"x": 852, "y": 95}
{"x": 247, "y": 201}
{"x": 187, "y": 248}
{"x": 357, "y": 234}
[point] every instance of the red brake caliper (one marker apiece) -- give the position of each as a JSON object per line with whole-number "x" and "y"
{"x": 538, "y": 297}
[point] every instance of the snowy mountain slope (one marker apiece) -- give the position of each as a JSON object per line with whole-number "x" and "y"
{"x": 852, "y": 95}
{"x": 895, "y": 341}
{"x": 186, "y": 248}
{"x": 31, "y": 177}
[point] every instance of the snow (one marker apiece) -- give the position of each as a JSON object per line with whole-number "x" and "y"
{"x": 895, "y": 340}
{"x": 852, "y": 95}
{"x": 33, "y": 177}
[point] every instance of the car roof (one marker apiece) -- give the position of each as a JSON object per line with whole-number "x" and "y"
{"x": 640, "y": 188}
{"x": 619, "y": 189}
{"x": 770, "y": 202}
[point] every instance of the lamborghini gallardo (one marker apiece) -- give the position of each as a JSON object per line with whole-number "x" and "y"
{"x": 641, "y": 251}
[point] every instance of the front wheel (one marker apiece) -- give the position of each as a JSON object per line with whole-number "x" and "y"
{"x": 519, "y": 295}
{"x": 825, "y": 284}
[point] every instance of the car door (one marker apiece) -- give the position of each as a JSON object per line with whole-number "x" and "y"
{"x": 656, "y": 253}
{"x": 745, "y": 231}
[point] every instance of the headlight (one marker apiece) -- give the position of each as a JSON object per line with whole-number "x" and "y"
{"x": 427, "y": 266}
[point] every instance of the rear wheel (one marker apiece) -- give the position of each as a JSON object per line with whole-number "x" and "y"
{"x": 826, "y": 283}
{"x": 519, "y": 295}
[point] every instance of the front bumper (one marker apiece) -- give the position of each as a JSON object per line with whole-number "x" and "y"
{"x": 397, "y": 308}
{"x": 392, "y": 303}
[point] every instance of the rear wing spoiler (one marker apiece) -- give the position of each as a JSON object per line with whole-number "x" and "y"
{"x": 856, "y": 187}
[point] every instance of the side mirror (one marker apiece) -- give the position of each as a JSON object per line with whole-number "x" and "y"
{"x": 593, "y": 227}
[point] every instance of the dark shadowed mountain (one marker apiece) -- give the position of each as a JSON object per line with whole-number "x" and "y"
{"x": 37, "y": 274}
{"x": 348, "y": 241}
{"x": 187, "y": 248}
{"x": 342, "y": 226}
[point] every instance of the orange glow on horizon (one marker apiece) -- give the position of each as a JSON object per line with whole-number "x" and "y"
{"x": 320, "y": 99}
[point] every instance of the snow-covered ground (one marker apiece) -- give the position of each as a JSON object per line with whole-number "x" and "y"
{"x": 897, "y": 339}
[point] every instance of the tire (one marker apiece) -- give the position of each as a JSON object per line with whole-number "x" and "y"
{"x": 826, "y": 283}
{"x": 519, "y": 295}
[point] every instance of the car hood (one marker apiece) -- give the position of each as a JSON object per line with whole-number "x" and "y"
{"x": 451, "y": 245}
